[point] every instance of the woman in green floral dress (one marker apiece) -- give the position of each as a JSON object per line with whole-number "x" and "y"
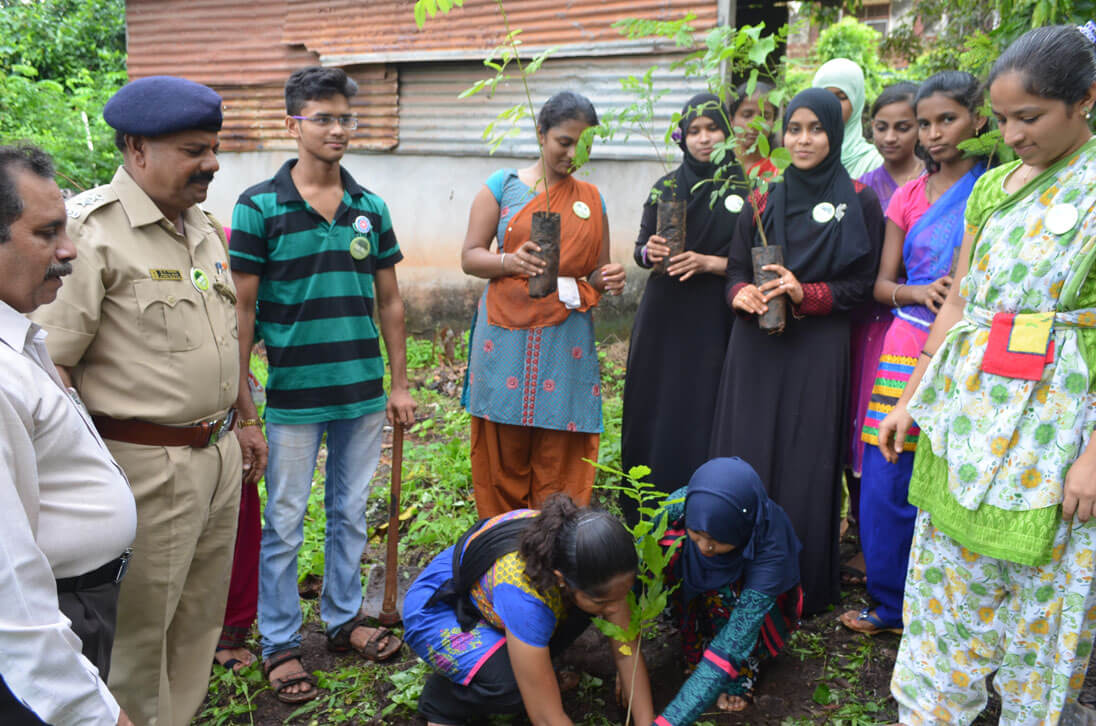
{"x": 1000, "y": 576}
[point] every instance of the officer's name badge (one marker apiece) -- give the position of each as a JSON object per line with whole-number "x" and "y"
{"x": 166, "y": 275}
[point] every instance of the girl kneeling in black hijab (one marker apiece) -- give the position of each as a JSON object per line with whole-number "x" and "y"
{"x": 737, "y": 561}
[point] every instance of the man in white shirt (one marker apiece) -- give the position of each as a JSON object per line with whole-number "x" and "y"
{"x": 69, "y": 516}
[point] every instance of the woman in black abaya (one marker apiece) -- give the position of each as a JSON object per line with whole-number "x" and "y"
{"x": 783, "y": 399}
{"x": 682, "y": 326}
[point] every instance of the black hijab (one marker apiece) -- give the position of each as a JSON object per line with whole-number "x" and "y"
{"x": 725, "y": 499}
{"x": 707, "y": 227}
{"x": 814, "y": 250}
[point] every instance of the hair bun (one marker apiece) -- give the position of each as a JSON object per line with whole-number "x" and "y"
{"x": 1089, "y": 31}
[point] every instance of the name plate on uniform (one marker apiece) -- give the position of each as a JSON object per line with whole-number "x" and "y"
{"x": 166, "y": 275}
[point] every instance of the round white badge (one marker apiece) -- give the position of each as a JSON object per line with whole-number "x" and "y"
{"x": 581, "y": 210}
{"x": 823, "y": 212}
{"x": 1060, "y": 218}
{"x": 362, "y": 224}
{"x": 734, "y": 203}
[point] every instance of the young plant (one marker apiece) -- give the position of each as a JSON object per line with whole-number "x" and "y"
{"x": 726, "y": 52}
{"x": 507, "y": 122}
{"x": 653, "y": 593}
{"x": 638, "y": 117}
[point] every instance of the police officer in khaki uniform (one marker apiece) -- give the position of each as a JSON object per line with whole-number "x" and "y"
{"x": 145, "y": 329}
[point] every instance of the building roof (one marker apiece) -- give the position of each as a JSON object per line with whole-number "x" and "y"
{"x": 246, "y": 49}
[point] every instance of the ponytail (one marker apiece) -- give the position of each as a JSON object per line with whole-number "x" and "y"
{"x": 588, "y": 546}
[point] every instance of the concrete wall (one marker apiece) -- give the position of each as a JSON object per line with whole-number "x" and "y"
{"x": 429, "y": 198}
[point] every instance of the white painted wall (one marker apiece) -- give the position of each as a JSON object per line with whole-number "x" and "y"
{"x": 429, "y": 198}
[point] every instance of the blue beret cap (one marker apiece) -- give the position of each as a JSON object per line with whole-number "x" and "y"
{"x": 159, "y": 105}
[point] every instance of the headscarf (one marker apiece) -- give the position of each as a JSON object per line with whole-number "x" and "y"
{"x": 817, "y": 251}
{"x": 858, "y": 156}
{"x": 706, "y": 225}
{"x": 725, "y": 499}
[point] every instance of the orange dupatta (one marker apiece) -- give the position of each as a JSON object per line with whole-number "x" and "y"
{"x": 508, "y": 301}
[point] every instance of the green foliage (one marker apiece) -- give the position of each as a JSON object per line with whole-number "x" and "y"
{"x": 971, "y": 35}
{"x": 240, "y": 690}
{"x": 859, "y": 43}
{"x": 726, "y": 52}
{"x": 432, "y": 7}
{"x": 639, "y": 115}
{"x": 407, "y": 688}
{"x": 502, "y": 60}
{"x": 436, "y": 482}
{"x": 62, "y": 38}
{"x": 346, "y": 695}
{"x": 653, "y": 559}
{"x": 60, "y": 61}
{"x": 680, "y": 31}
{"x": 507, "y": 123}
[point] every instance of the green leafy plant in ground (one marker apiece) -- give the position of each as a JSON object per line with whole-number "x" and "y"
{"x": 240, "y": 688}
{"x": 499, "y": 60}
{"x": 654, "y": 594}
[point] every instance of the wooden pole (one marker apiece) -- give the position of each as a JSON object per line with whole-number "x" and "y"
{"x": 389, "y": 614}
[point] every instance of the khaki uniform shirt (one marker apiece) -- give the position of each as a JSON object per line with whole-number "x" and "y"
{"x": 140, "y": 338}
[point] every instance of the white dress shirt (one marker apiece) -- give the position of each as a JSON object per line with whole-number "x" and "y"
{"x": 67, "y": 510}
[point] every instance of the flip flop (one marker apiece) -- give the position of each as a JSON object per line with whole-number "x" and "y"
{"x": 234, "y": 664}
{"x": 279, "y": 685}
{"x": 866, "y": 622}
{"x": 852, "y": 576}
{"x": 341, "y": 643}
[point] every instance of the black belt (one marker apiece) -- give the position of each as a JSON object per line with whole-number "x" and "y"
{"x": 112, "y": 571}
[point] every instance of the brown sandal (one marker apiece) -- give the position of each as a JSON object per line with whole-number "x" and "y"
{"x": 340, "y": 642}
{"x": 279, "y": 685}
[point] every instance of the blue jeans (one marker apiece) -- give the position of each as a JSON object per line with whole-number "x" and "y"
{"x": 353, "y": 449}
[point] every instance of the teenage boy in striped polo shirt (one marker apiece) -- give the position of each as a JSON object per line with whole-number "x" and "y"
{"x": 311, "y": 250}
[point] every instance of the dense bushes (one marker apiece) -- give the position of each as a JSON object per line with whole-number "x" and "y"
{"x": 60, "y": 60}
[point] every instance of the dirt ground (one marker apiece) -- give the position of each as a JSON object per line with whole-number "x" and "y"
{"x": 826, "y": 675}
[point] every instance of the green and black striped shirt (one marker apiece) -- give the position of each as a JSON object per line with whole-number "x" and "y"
{"x": 315, "y": 301}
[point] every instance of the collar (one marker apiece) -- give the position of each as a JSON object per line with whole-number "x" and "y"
{"x": 287, "y": 190}
{"x": 142, "y": 211}
{"x": 138, "y": 206}
{"x": 16, "y": 330}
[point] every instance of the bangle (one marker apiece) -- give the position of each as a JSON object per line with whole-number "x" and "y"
{"x": 645, "y": 260}
{"x": 502, "y": 263}
{"x": 926, "y": 353}
{"x": 248, "y": 422}
{"x": 894, "y": 293}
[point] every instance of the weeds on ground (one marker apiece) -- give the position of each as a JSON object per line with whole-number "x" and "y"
{"x": 346, "y": 696}
{"x": 241, "y": 689}
{"x": 841, "y": 694}
{"x": 406, "y": 688}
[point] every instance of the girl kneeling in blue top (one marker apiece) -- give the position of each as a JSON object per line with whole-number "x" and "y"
{"x": 489, "y": 612}
{"x": 737, "y": 559}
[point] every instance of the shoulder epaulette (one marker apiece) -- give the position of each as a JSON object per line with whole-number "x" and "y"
{"x": 84, "y": 203}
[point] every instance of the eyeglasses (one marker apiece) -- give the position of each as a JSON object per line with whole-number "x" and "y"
{"x": 348, "y": 122}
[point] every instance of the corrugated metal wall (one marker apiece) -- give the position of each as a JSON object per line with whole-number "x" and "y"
{"x": 237, "y": 49}
{"x": 434, "y": 121}
{"x": 340, "y": 29}
{"x": 255, "y": 115}
{"x": 227, "y": 43}
{"x": 246, "y": 50}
